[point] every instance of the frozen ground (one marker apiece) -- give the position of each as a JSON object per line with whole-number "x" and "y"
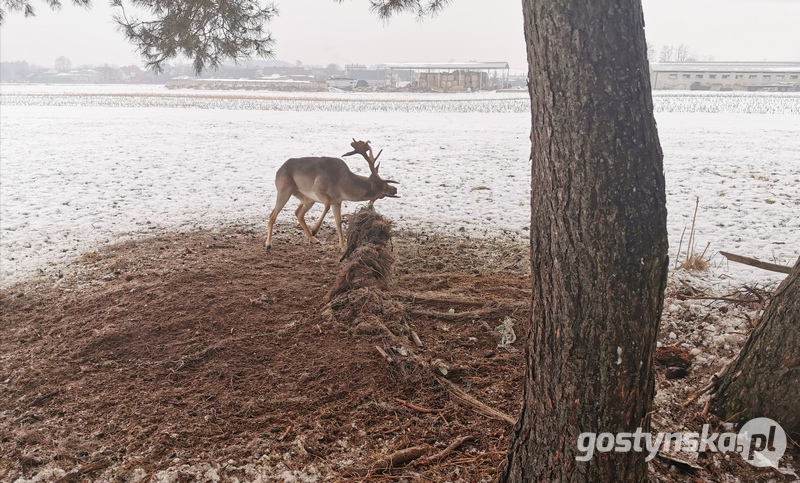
{"x": 82, "y": 166}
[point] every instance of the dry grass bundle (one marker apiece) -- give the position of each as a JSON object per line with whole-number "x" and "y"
{"x": 696, "y": 262}
{"x": 364, "y": 306}
{"x": 369, "y": 257}
{"x": 367, "y": 228}
{"x": 368, "y": 266}
{"x": 693, "y": 261}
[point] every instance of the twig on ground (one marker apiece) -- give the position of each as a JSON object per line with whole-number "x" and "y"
{"x": 460, "y": 315}
{"x": 383, "y": 354}
{"x": 285, "y": 433}
{"x": 85, "y": 469}
{"x": 417, "y": 408}
{"x": 715, "y": 378}
{"x": 394, "y": 460}
{"x": 466, "y": 398}
{"x": 773, "y": 267}
{"x": 38, "y": 401}
{"x": 692, "y": 290}
{"x": 415, "y": 297}
{"x": 478, "y": 457}
{"x": 679, "y": 463}
{"x": 445, "y": 452}
{"x": 397, "y": 428}
{"x": 722, "y": 299}
{"x": 706, "y": 408}
{"x": 760, "y": 294}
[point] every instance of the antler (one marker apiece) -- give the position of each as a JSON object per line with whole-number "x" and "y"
{"x": 363, "y": 148}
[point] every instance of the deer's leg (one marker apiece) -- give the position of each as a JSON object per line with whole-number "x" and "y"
{"x": 337, "y": 214}
{"x": 280, "y": 202}
{"x": 305, "y": 205}
{"x": 319, "y": 223}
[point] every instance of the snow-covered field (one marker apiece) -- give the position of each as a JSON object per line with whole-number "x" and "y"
{"x": 82, "y": 166}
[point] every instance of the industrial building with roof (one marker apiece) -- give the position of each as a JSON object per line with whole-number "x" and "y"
{"x": 455, "y": 76}
{"x": 726, "y": 76}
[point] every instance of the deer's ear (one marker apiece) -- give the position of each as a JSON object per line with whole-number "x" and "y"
{"x": 390, "y": 181}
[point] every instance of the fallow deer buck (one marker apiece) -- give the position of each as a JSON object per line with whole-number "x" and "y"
{"x": 328, "y": 181}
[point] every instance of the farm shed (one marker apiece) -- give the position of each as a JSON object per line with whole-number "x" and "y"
{"x": 374, "y": 78}
{"x": 341, "y": 82}
{"x": 726, "y": 76}
{"x": 456, "y": 76}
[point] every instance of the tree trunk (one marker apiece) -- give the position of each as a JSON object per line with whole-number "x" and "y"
{"x": 764, "y": 380}
{"x": 598, "y": 240}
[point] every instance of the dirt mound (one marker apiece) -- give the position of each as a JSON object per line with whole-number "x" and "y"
{"x": 186, "y": 356}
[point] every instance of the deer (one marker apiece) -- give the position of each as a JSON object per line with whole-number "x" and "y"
{"x": 328, "y": 181}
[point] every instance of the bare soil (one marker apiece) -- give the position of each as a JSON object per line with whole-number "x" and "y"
{"x": 200, "y": 356}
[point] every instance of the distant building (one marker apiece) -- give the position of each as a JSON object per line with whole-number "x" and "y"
{"x": 52, "y": 76}
{"x": 726, "y": 76}
{"x": 286, "y": 71}
{"x": 455, "y": 76}
{"x": 372, "y": 78}
{"x": 235, "y": 72}
{"x": 135, "y": 75}
{"x": 344, "y": 83}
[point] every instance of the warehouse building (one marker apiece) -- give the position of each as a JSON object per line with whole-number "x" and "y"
{"x": 726, "y": 76}
{"x": 456, "y": 76}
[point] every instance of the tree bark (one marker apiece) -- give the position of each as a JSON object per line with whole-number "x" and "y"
{"x": 764, "y": 380}
{"x": 598, "y": 240}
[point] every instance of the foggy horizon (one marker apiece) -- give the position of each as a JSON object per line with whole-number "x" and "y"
{"x": 347, "y": 33}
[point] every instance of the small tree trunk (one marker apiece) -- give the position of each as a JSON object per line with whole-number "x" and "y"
{"x": 765, "y": 379}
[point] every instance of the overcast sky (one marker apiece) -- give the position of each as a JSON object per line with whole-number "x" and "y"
{"x": 322, "y": 32}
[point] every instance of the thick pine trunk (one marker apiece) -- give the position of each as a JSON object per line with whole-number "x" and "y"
{"x": 765, "y": 378}
{"x": 598, "y": 240}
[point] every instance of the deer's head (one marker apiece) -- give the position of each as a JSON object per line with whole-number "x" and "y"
{"x": 382, "y": 187}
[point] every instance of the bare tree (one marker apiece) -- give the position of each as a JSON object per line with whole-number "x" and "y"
{"x": 684, "y": 54}
{"x": 333, "y": 69}
{"x": 681, "y": 53}
{"x": 62, "y": 63}
{"x": 666, "y": 54}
